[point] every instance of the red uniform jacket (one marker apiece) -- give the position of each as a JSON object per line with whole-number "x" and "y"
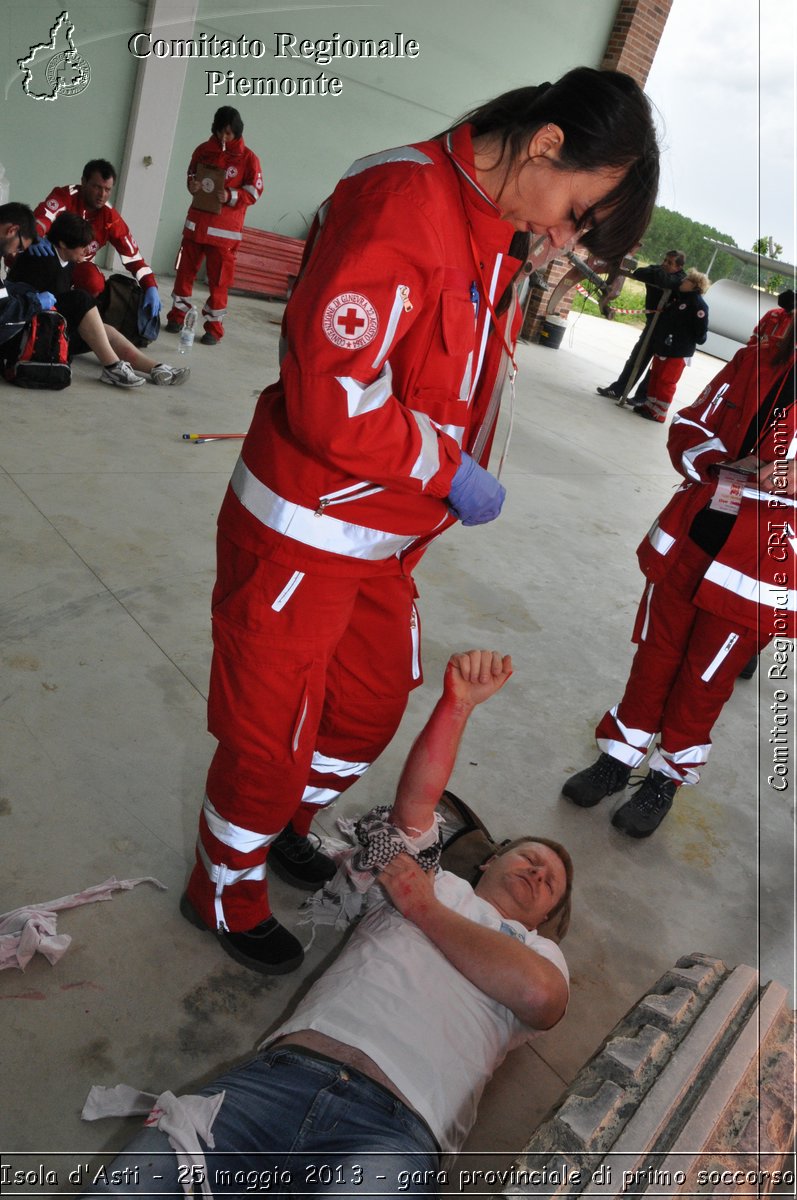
{"x": 391, "y": 363}
{"x": 245, "y": 185}
{"x": 754, "y": 576}
{"x": 772, "y": 325}
{"x": 107, "y": 224}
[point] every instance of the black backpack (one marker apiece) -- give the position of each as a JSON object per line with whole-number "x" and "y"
{"x": 43, "y": 360}
{"x": 119, "y": 305}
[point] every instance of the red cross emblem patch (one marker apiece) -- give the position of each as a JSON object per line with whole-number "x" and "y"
{"x": 350, "y": 321}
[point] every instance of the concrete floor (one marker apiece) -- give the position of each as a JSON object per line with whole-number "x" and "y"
{"x": 106, "y": 566}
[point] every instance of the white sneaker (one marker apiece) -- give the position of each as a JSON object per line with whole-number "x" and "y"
{"x": 121, "y": 374}
{"x": 168, "y": 376}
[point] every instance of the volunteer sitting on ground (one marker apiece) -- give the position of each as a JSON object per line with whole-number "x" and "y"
{"x": 18, "y": 303}
{"x": 720, "y": 567}
{"x": 383, "y": 1062}
{"x": 682, "y": 327}
{"x": 70, "y": 237}
{"x": 90, "y": 199}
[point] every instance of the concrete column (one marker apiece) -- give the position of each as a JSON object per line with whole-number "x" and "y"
{"x": 154, "y": 114}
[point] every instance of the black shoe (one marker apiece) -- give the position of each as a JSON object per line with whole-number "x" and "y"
{"x": 642, "y": 410}
{"x": 605, "y": 777}
{"x": 173, "y": 327}
{"x": 299, "y": 861}
{"x": 641, "y": 816}
{"x": 268, "y": 949}
{"x": 749, "y": 670}
{"x": 208, "y": 339}
{"x": 608, "y": 391}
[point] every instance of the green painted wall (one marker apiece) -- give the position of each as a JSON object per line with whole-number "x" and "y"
{"x": 469, "y": 50}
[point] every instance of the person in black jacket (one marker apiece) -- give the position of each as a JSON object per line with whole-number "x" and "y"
{"x": 18, "y": 301}
{"x": 70, "y": 236}
{"x": 682, "y": 327}
{"x": 667, "y": 275}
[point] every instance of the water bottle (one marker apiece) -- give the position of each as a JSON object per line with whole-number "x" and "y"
{"x": 188, "y": 330}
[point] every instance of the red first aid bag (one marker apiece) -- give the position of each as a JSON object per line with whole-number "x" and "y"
{"x": 43, "y": 360}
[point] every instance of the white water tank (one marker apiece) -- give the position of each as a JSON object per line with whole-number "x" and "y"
{"x": 734, "y": 310}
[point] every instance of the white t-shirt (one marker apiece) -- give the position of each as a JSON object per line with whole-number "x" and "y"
{"x": 393, "y": 995}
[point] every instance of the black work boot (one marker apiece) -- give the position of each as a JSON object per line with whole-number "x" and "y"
{"x": 605, "y": 777}
{"x": 641, "y": 816}
{"x": 298, "y": 860}
{"x": 268, "y": 949}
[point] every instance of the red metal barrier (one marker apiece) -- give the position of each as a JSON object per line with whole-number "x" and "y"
{"x": 267, "y": 264}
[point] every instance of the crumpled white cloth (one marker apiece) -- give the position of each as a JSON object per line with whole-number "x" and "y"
{"x": 24, "y": 931}
{"x": 376, "y": 841}
{"x": 184, "y": 1119}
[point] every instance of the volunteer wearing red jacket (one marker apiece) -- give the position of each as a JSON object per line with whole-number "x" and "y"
{"x": 720, "y": 564}
{"x": 373, "y": 441}
{"x": 775, "y": 321}
{"x": 216, "y": 236}
{"x": 90, "y": 199}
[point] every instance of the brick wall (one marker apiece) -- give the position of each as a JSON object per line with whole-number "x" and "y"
{"x": 633, "y": 41}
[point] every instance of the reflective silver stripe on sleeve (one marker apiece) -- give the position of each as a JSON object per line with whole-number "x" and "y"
{"x": 251, "y": 189}
{"x": 362, "y": 398}
{"x": 659, "y": 540}
{"x": 688, "y": 457}
{"x": 142, "y": 271}
{"x": 457, "y": 432}
{"x": 304, "y": 524}
{"x": 190, "y": 224}
{"x": 233, "y": 197}
{"x": 398, "y": 154}
{"x": 751, "y": 589}
{"x": 235, "y": 836}
{"x": 427, "y": 464}
{"x": 234, "y": 235}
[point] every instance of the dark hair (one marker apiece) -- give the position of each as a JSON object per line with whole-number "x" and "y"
{"x": 14, "y": 213}
{"x": 786, "y": 300}
{"x": 225, "y": 116}
{"x": 679, "y": 256}
{"x": 102, "y": 167}
{"x": 68, "y": 229}
{"x": 607, "y": 121}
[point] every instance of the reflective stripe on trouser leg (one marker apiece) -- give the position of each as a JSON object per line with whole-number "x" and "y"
{"x": 221, "y": 269}
{"x": 680, "y": 765}
{"x": 627, "y": 745}
{"x": 223, "y": 876}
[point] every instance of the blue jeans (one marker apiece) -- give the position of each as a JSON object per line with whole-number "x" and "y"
{"x": 292, "y": 1124}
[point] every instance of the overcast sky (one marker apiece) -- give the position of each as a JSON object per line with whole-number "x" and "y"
{"x": 724, "y": 82}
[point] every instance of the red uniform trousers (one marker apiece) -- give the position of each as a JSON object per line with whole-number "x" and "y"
{"x": 664, "y": 376}
{"x": 686, "y": 664}
{"x": 309, "y": 681}
{"x": 220, "y": 270}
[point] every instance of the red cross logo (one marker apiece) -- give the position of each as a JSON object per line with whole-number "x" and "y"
{"x": 350, "y": 321}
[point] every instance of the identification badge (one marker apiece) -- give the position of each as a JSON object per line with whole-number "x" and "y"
{"x": 727, "y": 497}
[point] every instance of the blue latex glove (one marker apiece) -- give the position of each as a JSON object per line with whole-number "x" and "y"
{"x": 46, "y": 299}
{"x": 476, "y": 496}
{"x": 152, "y": 301}
{"x": 42, "y": 248}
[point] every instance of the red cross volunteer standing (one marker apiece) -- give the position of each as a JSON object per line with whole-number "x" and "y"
{"x": 374, "y": 440}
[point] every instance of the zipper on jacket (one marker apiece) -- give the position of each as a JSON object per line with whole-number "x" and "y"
{"x": 415, "y": 639}
{"x": 404, "y": 293}
{"x": 356, "y": 491}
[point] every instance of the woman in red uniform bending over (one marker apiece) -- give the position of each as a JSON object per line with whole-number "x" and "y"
{"x": 374, "y": 440}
